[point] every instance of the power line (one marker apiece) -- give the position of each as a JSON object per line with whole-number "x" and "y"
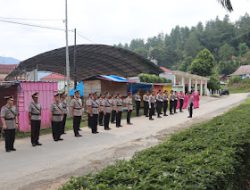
{"x": 45, "y": 27}
{"x": 29, "y": 19}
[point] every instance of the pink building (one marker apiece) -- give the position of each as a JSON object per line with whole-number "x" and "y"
{"x": 22, "y": 92}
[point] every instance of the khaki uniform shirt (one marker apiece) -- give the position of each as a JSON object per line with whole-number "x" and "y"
{"x": 57, "y": 112}
{"x": 145, "y": 98}
{"x": 107, "y": 105}
{"x": 9, "y": 114}
{"x": 95, "y": 106}
{"x": 64, "y": 106}
{"x": 113, "y": 102}
{"x": 101, "y": 104}
{"x": 165, "y": 97}
{"x": 129, "y": 103}
{"x": 172, "y": 97}
{"x": 88, "y": 103}
{"x": 152, "y": 100}
{"x": 137, "y": 98}
{"x": 76, "y": 104}
{"x": 35, "y": 111}
{"x": 159, "y": 98}
{"x": 119, "y": 104}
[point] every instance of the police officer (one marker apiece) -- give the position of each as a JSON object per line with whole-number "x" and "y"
{"x": 88, "y": 104}
{"x": 159, "y": 101}
{"x": 181, "y": 98}
{"x": 165, "y": 103}
{"x": 76, "y": 112}
{"x": 145, "y": 102}
{"x": 175, "y": 101}
{"x": 152, "y": 101}
{"x": 137, "y": 103}
{"x": 94, "y": 114}
{"x": 101, "y": 107}
{"x": 172, "y": 98}
{"x": 129, "y": 105}
{"x": 10, "y": 123}
{"x": 118, "y": 110}
{"x": 63, "y": 97}
{"x": 35, "y": 119}
{"x": 113, "y": 113}
{"x": 107, "y": 111}
{"x": 57, "y": 116}
{"x": 190, "y": 105}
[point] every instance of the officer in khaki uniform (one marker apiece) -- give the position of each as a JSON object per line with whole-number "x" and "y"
{"x": 88, "y": 103}
{"x": 181, "y": 98}
{"x": 137, "y": 103}
{"x": 172, "y": 98}
{"x": 76, "y": 112}
{"x": 118, "y": 110}
{"x": 57, "y": 117}
{"x": 175, "y": 101}
{"x": 107, "y": 111}
{"x": 159, "y": 101}
{"x": 152, "y": 101}
{"x": 101, "y": 107}
{"x": 63, "y": 97}
{"x": 35, "y": 110}
{"x": 113, "y": 113}
{"x": 165, "y": 103}
{"x": 145, "y": 103}
{"x": 129, "y": 105}
{"x": 94, "y": 114}
{"x": 10, "y": 122}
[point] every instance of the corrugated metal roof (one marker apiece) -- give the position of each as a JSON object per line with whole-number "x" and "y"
{"x": 242, "y": 70}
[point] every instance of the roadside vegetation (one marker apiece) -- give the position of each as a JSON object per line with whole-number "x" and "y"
{"x": 238, "y": 85}
{"x": 211, "y": 155}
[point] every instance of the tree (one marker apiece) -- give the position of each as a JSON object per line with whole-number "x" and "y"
{"x": 243, "y": 48}
{"x": 213, "y": 83}
{"x": 226, "y": 52}
{"x": 203, "y": 63}
{"x": 185, "y": 63}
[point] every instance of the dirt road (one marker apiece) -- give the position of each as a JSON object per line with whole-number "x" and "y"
{"x": 49, "y": 166}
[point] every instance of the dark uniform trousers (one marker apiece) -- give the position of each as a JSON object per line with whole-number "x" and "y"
{"x": 175, "y": 105}
{"x": 181, "y": 104}
{"x": 9, "y": 138}
{"x": 76, "y": 124}
{"x": 35, "y": 131}
{"x": 190, "y": 109}
{"x": 158, "y": 108}
{"x": 151, "y": 110}
{"x": 56, "y": 129}
{"x": 118, "y": 118}
{"x": 129, "y": 115}
{"x": 145, "y": 108}
{"x": 94, "y": 123}
{"x": 89, "y": 120}
{"x": 63, "y": 123}
{"x": 106, "y": 120}
{"x": 101, "y": 114}
{"x": 137, "y": 107}
{"x": 165, "y": 107}
{"x": 113, "y": 116}
{"x": 171, "y": 106}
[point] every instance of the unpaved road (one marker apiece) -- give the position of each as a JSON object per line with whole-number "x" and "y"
{"x": 49, "y": 166}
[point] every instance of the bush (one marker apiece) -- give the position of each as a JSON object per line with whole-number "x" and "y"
{"x": 148, "y": 78}
{"x": 212, "y": 155}
{"x": 234, "y": 79}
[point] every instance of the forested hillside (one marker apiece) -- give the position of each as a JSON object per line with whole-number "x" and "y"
{"x": 227, "y": 41}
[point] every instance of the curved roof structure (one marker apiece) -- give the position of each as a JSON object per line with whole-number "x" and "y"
{"x": 91, "y": 60}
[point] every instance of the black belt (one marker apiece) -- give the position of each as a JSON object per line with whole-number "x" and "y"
{"x": 94, "y": 107}
{"x": 64, "y": 107}
{"x": 57, "y": 114}
{"x": 77, "y": 108}
{"x": 35, "y": 114}
{"x": 119, "y": 105}
{"x": 9, "y": 118}
{"x": 107, "y": 106}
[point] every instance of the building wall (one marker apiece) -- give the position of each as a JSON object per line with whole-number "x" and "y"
{"x": 114, "y": 87}
{"x": 91, "y": 87}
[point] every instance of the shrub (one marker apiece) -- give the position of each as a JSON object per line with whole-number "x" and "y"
{"x": 212, "y": 155}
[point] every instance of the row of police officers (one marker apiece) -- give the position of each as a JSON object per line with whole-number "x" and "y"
{"x": 101, "y": 111}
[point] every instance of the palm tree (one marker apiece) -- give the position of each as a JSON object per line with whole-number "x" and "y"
{"x": 227, "y": 4}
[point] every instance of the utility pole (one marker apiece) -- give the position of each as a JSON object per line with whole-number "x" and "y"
{"x": 75, "y": 79}
{"x": 67, "y": 47}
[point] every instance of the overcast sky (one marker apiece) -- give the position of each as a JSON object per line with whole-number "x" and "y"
{"x": 101, "y": 21}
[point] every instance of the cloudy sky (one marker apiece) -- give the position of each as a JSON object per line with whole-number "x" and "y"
{"x": 100, "y": 21}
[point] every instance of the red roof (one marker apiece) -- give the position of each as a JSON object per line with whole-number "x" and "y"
{"x": 53, "y": 77}
{"x": 165, "y": 70}
{"x": 7, "y": 68}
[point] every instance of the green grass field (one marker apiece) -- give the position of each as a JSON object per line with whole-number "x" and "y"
{"x": 211, "y": 155}
{"x": 242, "y": 86}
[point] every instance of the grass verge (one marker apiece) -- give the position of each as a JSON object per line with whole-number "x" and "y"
{"x": 211, "y": 155}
